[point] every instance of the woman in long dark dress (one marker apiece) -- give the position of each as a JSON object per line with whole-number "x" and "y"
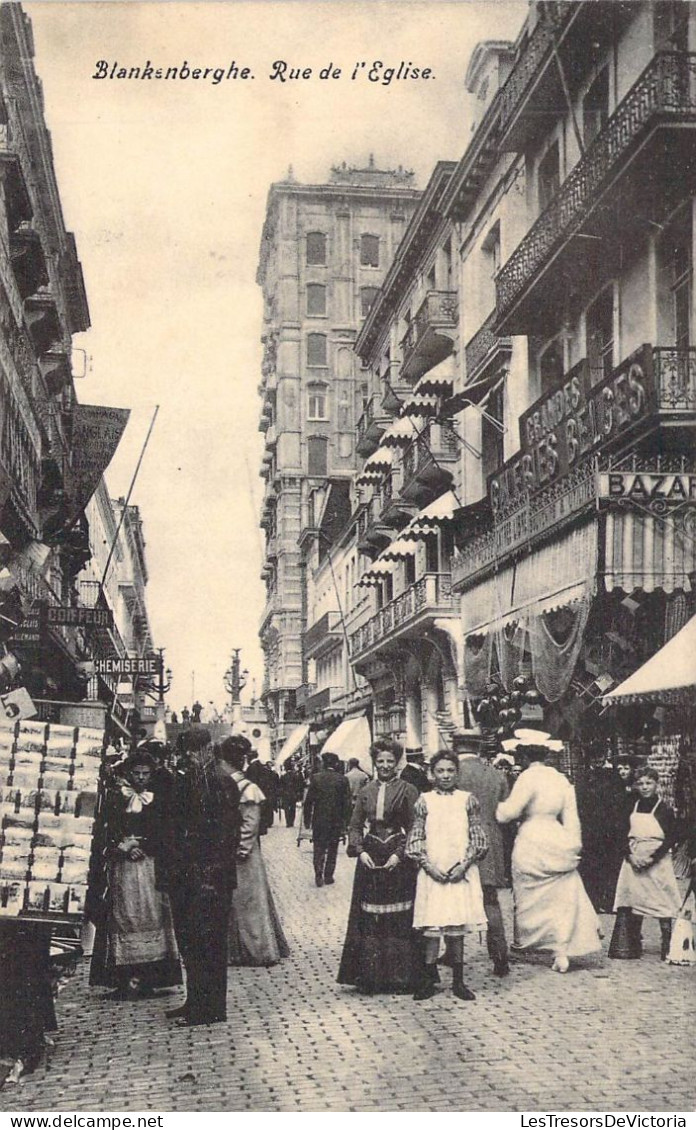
{"x": 379, "y": 954}
{"x": 141, "y": 952}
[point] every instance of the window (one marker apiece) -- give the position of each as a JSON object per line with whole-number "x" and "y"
{"x": 316, "y": 350}
{"x": 549, "y": 176}
{"x": 447, "y": 254}
{"x": 367, "y": 297}
{"x": 317, "y": 396}
{"x": 369, "y": 251}
{"x": 681, "y": 286}
{"x": 550, "y": 365}
{"x": 317, "y": 456}
{"x": 316, "y": 249}
{"x": 672, "y": 25}
{"x": 410, "y": 568}
{"x": 595, "y": 108}
{"x": 599, "y": 331}
{"x": 432, "y": 555}
{"x": 316, "y": 299}
{"x": 430, "y": 283}
{"x": 491, "y": 435}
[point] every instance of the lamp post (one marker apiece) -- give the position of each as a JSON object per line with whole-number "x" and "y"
{"x": 235, "y": 680}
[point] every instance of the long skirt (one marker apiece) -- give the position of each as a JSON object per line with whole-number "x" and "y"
{"x": 255, "y": 935}
{"x": 140, "y": 941}
{"x": 380, "y": 952}
{"x": 552, "y": 910}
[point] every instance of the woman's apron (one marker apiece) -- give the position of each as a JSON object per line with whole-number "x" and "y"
{"x": 653, "y": 892}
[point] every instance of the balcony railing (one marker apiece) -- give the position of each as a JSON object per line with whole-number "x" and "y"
{"x": 322, "y": 634}
{"x": 428, "y": 462}
{"x": 484, "y": 347}
{"x": 430, "y": 338}
{"x": 370, "y": 427}
{"x": 432, "y": 593}
{"x": 527, "y": 68}
{"x": 321, "y": 700}
{"x": 675, "y": 379}
{"x": 666, "y": 91}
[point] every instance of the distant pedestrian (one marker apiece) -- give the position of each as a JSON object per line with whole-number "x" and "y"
{"x": 356, "y": 777}
{"x": 414, "y": 772}
{"x": 447, "y": 841}
{"x": 196, "y": 712}
{"x": 263, "y": 776}
{"x": 185, "y": 715}
{"x": 291, "y": 788}
{"x": 490, "y": 787}
{"x": 327, "y": 809}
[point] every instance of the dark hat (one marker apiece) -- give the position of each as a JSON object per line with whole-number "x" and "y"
{"x": 468, "y": 741}
{"x": 415, "y": 753}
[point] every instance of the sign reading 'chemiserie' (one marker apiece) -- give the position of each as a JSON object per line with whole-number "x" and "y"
{"x": 570, "y": 422}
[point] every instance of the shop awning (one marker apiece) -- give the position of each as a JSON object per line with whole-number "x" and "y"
{"x": 555, "y": 576}
{"x": 401, "y": 432}
{"x": 471, "y": 394}
{"x": 291, "y": 744}
{"x": 431, "y": 517}
{"x": 376, "y": 466}
{"x": 351, "y": 738}
{"x": 669, "y": 676}
{"x": 376, "y": 572}
{"x": 648, "y": 552}
{"x": 416, "y": 404}
{"x": 397, "y": 550}
{"x": 439, "y": 381}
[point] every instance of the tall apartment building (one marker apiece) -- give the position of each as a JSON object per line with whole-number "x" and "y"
{"x": 324, "y": 252}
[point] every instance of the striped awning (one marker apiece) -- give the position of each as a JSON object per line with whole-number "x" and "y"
{"x": 433, "y": 516}
{"x": 416, "y": 404}
{"x": 404, "y": 546}
{"x": 439, "y": 381}
{"x": 648, "y": 552}
{"x": 376, "y": 466}
{"x": 377, "y": 571}
{"x": 401, "y": 432}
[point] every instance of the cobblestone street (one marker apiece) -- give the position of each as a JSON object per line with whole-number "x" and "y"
{"x": 609, "y": 1036}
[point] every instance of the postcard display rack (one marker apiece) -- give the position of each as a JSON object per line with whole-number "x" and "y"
{"x": 49, "y": 778}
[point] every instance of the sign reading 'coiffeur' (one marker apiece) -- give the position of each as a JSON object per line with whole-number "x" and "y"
{"x": 78, "y": 616}
{"x": 570, "y": 422}
{"x": 647, "y": 486}
{"x": 147, "y": 665}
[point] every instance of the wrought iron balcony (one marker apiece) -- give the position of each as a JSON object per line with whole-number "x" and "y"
{"x": 322, "y": 635}
{"x": 535, "y": 55}
{"x": 665, "y": 94}
{"x": 428, "y": 465}
{"x": 485, "y": 348}
{"x": 373, "y": 532}
{"x": 371, "y": 426}
{"x": 430, "y": 336}
{"x": 675, "y": 381}
{"x": 431, "y": 595}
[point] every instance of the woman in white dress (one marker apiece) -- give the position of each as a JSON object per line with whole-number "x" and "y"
{"x": 552, "y": 910}
{"x": 446, "y": 841}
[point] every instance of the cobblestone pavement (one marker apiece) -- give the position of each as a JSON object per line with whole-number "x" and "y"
{"x": 611, "y": 1036}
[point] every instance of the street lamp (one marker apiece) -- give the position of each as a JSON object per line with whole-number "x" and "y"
{"x": 159, "y": 688}
{"x": 235, "y": 680}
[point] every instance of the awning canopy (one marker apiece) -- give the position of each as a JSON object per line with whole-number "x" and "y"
{"x": 471, "y": 394}
{"x": 438, "y": 381}
{"x": 401, "y": 432}
{"x": 431, "y": 517}
{"x": 669, "y": 676}
{"x": 416, "y": 404}
{"x": 292, "y": 744}
{"x": 404, "y": 546}
{"x": 648, "y": 552}
{"x": 376, "y": 572}
{"x": 351, "y": 738}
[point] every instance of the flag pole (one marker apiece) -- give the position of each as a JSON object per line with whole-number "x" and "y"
{"x": 128, "y": 496}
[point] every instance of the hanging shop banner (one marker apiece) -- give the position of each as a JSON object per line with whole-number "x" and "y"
{"x": 647, "y": 486}
{"x": 78, "y": 617}
{"x": 572, "y": 421}
{"x": 96, "y": 434}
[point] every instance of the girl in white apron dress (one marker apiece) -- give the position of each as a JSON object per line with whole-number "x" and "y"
{"x": 647, "y": 885}
{"x": 446, "y": 840}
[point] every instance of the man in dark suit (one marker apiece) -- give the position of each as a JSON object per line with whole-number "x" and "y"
{"x": 327, "y": 809}
{"x": 490, "y": 788}
{"x": 414, "y": 771}
{"x": 201, "y": 875}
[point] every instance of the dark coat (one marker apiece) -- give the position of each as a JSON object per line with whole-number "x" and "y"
{"x": 327, "y": 804}
{"x": 414, "y": 775}
{"x": 490, "y": 788}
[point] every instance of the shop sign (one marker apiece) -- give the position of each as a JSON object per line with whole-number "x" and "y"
{"x": 647, "y": 486}
{"x": 572, "y": 421}
{"x": 79, "y": 616}
{"x": 29, "y": 631}
{"x": 147, "y": 665}
{"x": 17, "y": 704}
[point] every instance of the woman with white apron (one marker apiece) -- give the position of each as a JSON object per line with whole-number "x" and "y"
{"x": 647, "y": 885}
{"x": 446, "y": 840}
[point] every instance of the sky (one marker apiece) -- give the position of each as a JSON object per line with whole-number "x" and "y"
{"x": 164, "y": 183}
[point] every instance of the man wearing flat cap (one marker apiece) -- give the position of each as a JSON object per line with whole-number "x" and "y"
{"x": 414, "y": 771}
{"x": 490, "y": 788}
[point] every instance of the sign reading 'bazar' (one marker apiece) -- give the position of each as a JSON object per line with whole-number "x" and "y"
{"x": 647, "y": 486}
{"x": 148, "y": 665}
{"x": 571, "y": 421}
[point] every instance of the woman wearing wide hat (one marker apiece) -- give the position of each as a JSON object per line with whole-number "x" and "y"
{"x": 552, "y": 910}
